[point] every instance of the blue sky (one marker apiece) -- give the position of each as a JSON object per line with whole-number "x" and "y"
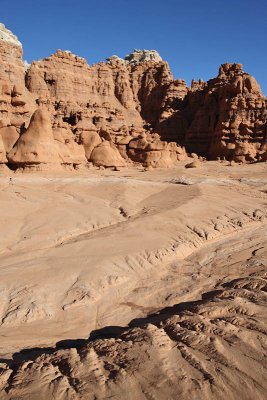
{"x": 194, "y": 36}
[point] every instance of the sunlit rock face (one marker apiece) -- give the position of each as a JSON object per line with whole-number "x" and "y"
{"x": 16, "y": 102}
{"x": 7, "y": 36}
{"x": 126, "y": 101}
{"x": 224, "y": 117}
{"x": 138, "y": 56}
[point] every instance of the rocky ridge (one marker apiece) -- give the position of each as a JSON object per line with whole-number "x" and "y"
{"x": 125, "y": 112}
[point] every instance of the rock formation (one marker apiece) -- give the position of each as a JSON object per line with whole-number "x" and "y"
{"x": 142, "y": 55}
{"x": 3, "y": 158}
{"x": 208, "y": 349}
{"x": 16, "y": 103}
{"x": 96, "y": 102}
{"x": 36, "y": 145}
{"x": 225, "y": 117}
{"x": 39, "y": 144}
{"x": 134, "y": 104}
{"x": 106, "y": 154}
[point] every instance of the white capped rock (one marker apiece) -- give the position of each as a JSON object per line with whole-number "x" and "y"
{"x": 139, "y": 56}
{"x": 7, "y": 36}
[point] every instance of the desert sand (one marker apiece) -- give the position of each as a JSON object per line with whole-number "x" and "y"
{"x": 133, "y": 283}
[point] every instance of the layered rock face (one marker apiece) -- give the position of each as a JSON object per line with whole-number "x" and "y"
{"x": 225, "y": 117}
{"x": 123, "y": 111}
{"x": 99, "y": 108}
{"x": 16, "y": 103}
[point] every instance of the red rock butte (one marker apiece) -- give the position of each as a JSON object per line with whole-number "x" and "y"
{"x": 60, "y": 111}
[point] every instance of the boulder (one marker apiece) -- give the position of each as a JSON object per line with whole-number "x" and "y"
{"x": 193, "y": 164}
{"x": 89, "y": 140}
{"x": 107, "y": 155}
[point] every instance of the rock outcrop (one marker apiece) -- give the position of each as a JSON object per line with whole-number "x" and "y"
{"x": 8, "y": 37}
{"x": 133, "y": 104}
{"x": 39, "y": 144}
{"x": 16, "y": 103}
{"x": 139, "y": 56}
{"x": 107, "y": 155}
{"x": 225, "y": 117}
{"x": 118, "y": 93}
{"x": 208, "y": 349}
{"x": 36, "y": 145}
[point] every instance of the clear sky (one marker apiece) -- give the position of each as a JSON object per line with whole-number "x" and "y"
{"x": 194, "y": 36}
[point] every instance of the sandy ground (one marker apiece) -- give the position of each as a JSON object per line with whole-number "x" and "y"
{"x": 95, "y": 249}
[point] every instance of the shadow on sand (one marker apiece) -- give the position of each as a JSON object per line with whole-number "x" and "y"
{"x": 107, "y": 332}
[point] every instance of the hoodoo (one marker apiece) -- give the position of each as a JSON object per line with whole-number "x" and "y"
{"x": 134, "y": 104}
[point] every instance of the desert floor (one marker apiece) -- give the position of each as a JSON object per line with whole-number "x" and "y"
{"x": 93, "y": 249}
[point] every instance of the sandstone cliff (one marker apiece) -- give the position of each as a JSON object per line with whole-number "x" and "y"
{"x": 16, "y": 103}
{"x": 225, "y": 117}
{"x": 124, "y": 111}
